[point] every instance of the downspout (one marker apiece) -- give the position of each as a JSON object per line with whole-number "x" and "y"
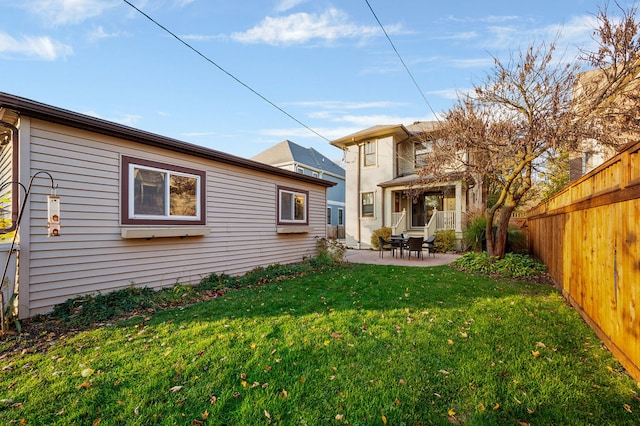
{"x": 15, "y": 177}
{"x": 359, "y": 201}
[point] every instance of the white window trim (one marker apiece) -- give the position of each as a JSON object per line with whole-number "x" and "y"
{"x": 294, "y": 192}
{"x": 373, "y": 214}
{"x": 374, "y": 154}
{"x": 167, "y": 195}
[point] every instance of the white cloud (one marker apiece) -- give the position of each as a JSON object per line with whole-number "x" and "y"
{"x": 126, "y": 119}
{"x": 346, "y": 105}
{"x": 99, "y": 33}
{"x": 284, "y": 5}
{"x": 64, "y": 12}
{"x": 43, "y": 48}
{"x": 299, "y": 28}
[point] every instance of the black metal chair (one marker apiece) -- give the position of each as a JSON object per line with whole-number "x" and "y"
{"x": 430, "y": 246}
{"x": 385, "y": 245}
{"x": 414, "y": 244}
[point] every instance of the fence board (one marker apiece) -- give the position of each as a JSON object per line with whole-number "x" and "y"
{"x": 588, "y": 235}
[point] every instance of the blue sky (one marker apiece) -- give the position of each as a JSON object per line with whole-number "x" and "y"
{"x": 328, "y": 64}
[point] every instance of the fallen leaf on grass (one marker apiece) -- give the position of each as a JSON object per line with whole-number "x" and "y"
{"x": 536, "y": 354}
{"x": 450, "y": 342}
{"x": 83, "y": 385}
{"x": 87, "y": 372}
{"x": 175, "y": 389}
{"x": 267, "y": 415}
{"x": 443, "y": 371}
{"x": 97, "y": 421}
{"x": 540, "y": 345}
{"x": 451, "y": 412}
{"x": 384, "y": 419}
{"x": 627, "y": 408}
{"x": 284, "y": 393}
{"x": 336, "y": 335}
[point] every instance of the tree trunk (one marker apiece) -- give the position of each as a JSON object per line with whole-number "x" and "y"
{"x": 502, "y": 225}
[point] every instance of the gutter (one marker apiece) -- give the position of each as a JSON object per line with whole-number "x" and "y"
{"x": 76, "y": 120}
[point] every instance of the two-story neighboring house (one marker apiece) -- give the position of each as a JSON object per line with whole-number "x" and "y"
{"x": 307, "y": 161}
{"x": 384, "y": 188}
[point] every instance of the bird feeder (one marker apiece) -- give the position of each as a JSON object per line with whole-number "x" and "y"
{"x": 53, "y": 210}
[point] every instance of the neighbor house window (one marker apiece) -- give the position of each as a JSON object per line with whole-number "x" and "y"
{"x": 315, "y": 174}
{"x": 292, "y": 206}
{"x": 422, "y": 151}
{"x": 340, "y": 217}
{"x": 370, "y": 153}
{"x": 300, "y": 170}
{"x": 328, "y": 215}
{"x": 161, "y": 194}
{"x": 367, "y": 204}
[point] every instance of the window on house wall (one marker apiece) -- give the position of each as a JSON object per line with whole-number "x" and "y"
{"x": 300, "y": 170}
{"x": 370, "y": 153}
{"x": 328, "y": 215}
{"x": 292, "y": 206}
{"x": 315, "y": 174}
{"x": 367, "y": 204}
{"x": 161, "y": 194}
{"x": 421, "y": 151}
{"x": 340, "y": 217}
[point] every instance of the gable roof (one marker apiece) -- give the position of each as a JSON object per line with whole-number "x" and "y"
{"x": 288, "y": 152}
{"x": 12, "y": 106}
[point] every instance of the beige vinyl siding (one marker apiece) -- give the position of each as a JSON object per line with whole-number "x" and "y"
{"x": 90, "y": 255}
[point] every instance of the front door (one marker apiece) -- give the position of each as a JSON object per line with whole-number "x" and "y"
{"x": 423, "y": 207}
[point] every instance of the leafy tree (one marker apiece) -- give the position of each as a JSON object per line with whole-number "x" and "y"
{"x": 528, "y": 108}
{"x": 555, "y": 174}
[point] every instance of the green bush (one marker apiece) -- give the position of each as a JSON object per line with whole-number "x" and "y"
{"x": 511, "y": 266}
{"x": 384, "y": 232}
{"x": 445, "y": 241}
{"x": 472, "y": 235}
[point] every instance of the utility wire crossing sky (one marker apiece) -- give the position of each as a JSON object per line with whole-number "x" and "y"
{"x": 305, "y": 70}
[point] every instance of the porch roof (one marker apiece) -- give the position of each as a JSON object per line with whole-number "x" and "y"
{"x": 416, "y": 180}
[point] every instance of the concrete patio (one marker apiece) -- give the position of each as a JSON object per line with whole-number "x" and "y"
{"x": 373, "y": 257}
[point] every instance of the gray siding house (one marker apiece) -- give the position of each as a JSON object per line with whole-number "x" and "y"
{"x": 136, "y": 208}
{"x": 307, "y": 161}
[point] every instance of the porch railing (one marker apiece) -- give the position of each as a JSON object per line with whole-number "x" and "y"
{"x": 398, "y": 222}
{"x": 446, "y": 219}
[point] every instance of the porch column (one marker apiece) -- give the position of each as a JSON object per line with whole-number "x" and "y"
{"x": 459, "y": 202}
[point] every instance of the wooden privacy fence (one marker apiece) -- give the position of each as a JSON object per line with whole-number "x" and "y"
{"x": 588, "y": 235}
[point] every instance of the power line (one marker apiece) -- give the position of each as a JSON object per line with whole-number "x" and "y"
{"x": 401, "y": 60}
{"x": 246, "y": 86}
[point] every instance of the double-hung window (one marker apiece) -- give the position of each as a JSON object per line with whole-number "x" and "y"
{"x": 367, "y": 204}
{"x": 370, "y": 153}
{"x": 161, "y": 194}
{"x": 293, "y": 206}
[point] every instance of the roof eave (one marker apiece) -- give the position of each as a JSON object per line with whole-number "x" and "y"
{"x": 84, "y": 122}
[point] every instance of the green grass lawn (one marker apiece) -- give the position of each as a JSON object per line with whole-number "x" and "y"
{"x": 354, "y": 344}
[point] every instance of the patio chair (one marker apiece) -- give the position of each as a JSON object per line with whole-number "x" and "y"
{"x": 385, "y": 245}
{"x": 414, "y": 244}
{"x": 430, "y": 246}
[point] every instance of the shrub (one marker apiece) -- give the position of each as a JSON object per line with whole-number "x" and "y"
{"x": 474, "y": 231}
{"x": 330, "y": 251}
{"x": 445, "y": 241}
{"x": 511, "y": 266}
{"x": 384, "y": 232}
